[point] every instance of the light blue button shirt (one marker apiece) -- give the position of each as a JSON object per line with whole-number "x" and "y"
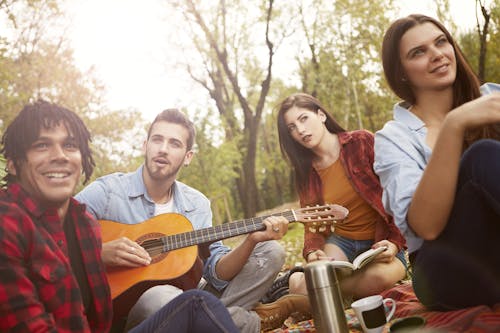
{"x": 122, "y": 197}
{"x": 401, "y": 155}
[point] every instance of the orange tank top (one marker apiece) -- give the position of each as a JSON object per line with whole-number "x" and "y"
{"x": 337, "y": 189}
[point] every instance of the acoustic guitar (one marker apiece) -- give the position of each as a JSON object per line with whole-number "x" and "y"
{"x": 172, "y": 244}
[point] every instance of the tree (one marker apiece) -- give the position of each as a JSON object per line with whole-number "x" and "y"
{"x": 342, "y": 66}
{"x": 483, "y": 51}
{"x": 231, "y": 39}
{"x": 483, "y": 31}
{"x": 213, "y": 168}
{"x": 36, "y": 62}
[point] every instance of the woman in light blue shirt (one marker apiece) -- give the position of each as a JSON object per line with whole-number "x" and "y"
{"x": 440, "y": 176}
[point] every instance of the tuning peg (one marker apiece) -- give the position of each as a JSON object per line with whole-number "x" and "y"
{"x": 322, "y": 228}
{"x": 312, "y": 229}
{"x": 332, "y": 228}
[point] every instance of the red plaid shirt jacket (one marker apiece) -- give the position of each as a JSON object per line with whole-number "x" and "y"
{"x": 38, "y": 290}
{"x": 356, "y": 156}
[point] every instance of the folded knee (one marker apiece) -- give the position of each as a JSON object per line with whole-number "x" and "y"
{"x": 272, "y": 251}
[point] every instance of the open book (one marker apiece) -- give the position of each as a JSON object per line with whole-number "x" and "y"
{"x": 346, "y": 268}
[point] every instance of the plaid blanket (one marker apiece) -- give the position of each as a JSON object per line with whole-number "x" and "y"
{"x": 478, "y": 319}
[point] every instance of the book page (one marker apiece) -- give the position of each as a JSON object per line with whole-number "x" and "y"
{"x": 342, "y": 264}
{"x": 367, "y": 256}
{"x": 343, "y": 269}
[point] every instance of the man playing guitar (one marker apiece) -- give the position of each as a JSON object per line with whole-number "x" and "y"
{"x": 241, "y": 275}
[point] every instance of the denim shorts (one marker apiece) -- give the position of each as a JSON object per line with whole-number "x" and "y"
{"x": 352, "y": 248}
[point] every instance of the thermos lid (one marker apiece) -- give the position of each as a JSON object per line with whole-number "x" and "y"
{"x": 320, "y": 274}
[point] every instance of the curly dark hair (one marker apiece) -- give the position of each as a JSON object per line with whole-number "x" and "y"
{"x": 25, "y": 129}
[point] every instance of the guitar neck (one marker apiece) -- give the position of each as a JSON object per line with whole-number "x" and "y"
{"x": 223, "y": 231}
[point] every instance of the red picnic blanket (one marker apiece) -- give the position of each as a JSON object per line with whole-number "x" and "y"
{"x": 478, "y": 319}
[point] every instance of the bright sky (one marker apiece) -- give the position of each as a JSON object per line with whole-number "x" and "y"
{"x": 126, "y": 42}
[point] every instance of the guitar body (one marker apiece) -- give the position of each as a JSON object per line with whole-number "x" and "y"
{"x": 181, "y": 268}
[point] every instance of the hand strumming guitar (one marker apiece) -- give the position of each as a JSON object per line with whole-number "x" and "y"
{"x": 124, "y": 252}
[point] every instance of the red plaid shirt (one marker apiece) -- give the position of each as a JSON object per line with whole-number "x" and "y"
{"x": 38, "y": 291}
{"x": 356, "y": 156}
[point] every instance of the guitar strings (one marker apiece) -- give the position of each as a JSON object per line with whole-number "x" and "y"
{"x": 168, "y": 243}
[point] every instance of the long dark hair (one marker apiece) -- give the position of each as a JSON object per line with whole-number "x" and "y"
{"x": 25, "y": 129}
{"x": 465, "y": 87}
{"x": 299, "y": 156}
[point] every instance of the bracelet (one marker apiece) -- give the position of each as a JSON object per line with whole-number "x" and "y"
{"x": 308, "y": 253}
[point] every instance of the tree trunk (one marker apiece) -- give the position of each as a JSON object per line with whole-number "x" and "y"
{"x": 246, "y": 183}
{"x": 483, "y": 35}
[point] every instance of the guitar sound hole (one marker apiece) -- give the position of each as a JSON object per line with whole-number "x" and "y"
{"x": 153, "y": 245}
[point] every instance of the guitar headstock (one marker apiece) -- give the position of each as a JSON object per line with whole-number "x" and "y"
{"x": 318, "y": 218}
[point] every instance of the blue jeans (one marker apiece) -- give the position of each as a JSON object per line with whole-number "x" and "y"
{"x": 193, "y": 311}
{"x": 461, "y": 268}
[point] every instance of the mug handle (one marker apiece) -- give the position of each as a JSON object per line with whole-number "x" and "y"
{"x": 393, "y": 307}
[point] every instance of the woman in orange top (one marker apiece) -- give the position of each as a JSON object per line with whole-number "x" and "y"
{"x": 335, "y": 166}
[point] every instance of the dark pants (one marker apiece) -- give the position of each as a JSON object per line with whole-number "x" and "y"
{"x": 461, "y": 268}
{"x": 191, "y": 312}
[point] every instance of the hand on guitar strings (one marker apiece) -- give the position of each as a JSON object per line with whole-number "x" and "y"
{"x": 276, "y": 228}
{"x": 124, "y": 252}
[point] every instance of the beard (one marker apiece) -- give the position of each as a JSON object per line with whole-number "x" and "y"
{"x": 162, "y": 174}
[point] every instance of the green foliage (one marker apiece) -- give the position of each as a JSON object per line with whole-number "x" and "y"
{"x": 444, "y": 16}
{"x": 343, "y": 70}
{"x": 214, "y": 166}
{"x": 469, "y": 43}
{"x": 118, "y": 137}
{"x": 493, "y": 57}
{"x": 335, "y": 43}
{"x": 237, "y": 42}
{"x": 273, "y": 171}
{"x": 27, "y": 53}
{"x": 343, "y": 67}
{"x": 36, "y": 62}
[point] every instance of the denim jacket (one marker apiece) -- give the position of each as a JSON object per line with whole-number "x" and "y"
{"x": 122, "y": 197}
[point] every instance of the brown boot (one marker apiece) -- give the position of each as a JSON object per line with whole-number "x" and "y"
{"x": 272, "y": 315}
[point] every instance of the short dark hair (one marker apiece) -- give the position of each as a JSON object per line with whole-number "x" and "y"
{"x": 176, "y": 117}
{"x": 25, "y": 129}
{"x": 466, "y": 85}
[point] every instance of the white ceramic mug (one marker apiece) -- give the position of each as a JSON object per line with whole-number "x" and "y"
{"x": 371, "y": 312}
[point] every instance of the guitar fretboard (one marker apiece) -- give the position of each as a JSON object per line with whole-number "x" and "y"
{"x": 211, "y": 234}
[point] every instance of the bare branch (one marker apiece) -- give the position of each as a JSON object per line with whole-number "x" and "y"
{"x": 222, "y": 57}
{"x": 266, "y": 84}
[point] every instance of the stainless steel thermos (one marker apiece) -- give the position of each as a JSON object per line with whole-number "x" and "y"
{"x": 325, "y": 297}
